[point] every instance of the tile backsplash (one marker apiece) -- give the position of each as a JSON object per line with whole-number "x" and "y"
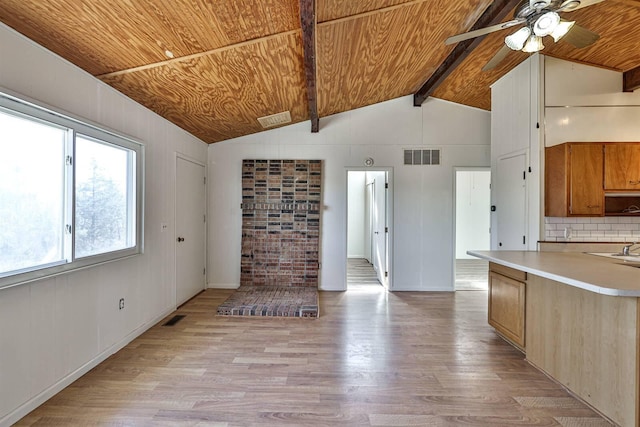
{"x": 592, "y": 229}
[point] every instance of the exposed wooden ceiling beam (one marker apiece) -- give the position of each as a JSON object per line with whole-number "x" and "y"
{"x": 308, "y": 23}
{"x": 494, "y": 14}
{"x": 631, "y": 80}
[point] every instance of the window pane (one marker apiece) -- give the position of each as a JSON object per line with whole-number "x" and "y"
{"x": 31, "y": 193}
{"x": 105, "y": 206}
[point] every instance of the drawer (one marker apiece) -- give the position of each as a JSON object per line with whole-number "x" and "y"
{"x": 508, "y": 271}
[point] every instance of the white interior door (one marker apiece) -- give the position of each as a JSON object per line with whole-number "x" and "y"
{"x": 387, "y": 240}
{"x": 190, "y": 229}
{"x": 511, "y": 202}
{"x": 368, "y": 217}
{"x": 380, "y": 226}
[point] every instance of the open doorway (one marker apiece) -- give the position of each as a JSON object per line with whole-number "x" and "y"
{"x": 473, "y": 200}
{"x": 368, "y": 229}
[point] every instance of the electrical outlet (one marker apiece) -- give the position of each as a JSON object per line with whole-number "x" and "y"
{"x": 163, "y": 227}
{"x": 121, "y": 304}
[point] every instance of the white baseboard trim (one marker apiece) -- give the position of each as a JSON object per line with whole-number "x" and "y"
{"x": 24, "y": 409}
{"x": 223, "y": 285}
{"x": 437, "y": 289}
{"x": 356, "y": 256}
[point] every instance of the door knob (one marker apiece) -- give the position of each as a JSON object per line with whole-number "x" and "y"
{"x": 180, "y": 239}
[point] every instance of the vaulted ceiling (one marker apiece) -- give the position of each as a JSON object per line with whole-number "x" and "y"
{"x": 213, "y": 67}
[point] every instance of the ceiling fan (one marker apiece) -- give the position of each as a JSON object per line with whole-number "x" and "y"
{"x": 541, "y": 18}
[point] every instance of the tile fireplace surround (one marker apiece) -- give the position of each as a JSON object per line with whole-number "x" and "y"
{"x": 281, "y": 202}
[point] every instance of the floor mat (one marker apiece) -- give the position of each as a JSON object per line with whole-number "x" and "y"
{"x": 271, "y": 301}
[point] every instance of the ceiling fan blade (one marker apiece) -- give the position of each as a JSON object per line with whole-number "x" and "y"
{"x": 566, "y": 5}
{"x": 580, "y": 37}
{"x": 497, "y": 58}
{"x": 483, "y": 31}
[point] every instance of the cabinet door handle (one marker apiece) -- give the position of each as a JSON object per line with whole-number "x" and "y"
{"x": 634, "y": 182}
{"x": 593, "y": 206}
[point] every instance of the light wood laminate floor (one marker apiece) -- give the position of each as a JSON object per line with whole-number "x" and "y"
{"x": 371, "y": 359}
{"x": 472, "y": 275}
{"x": 361, "y": 275}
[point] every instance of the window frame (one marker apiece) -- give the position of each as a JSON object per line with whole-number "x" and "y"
{"x": 33, "y": 110}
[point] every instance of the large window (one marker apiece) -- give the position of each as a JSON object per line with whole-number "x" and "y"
{"x": 70, "y": 193}
{"x": 104, "y": 187}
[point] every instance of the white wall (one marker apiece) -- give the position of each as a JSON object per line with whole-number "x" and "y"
{"x": 356, "y": 224}
{"x": 423, "y": 195}
{"x": 584, "y": 103}
{"x": 53, "y": 330}
{"x": 472, "y": 212}
{"x": 516, "y": 128}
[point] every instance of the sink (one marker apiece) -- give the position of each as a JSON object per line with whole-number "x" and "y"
{"x": 633, "y": 258}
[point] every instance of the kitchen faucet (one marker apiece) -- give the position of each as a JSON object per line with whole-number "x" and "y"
{"x": 626, "y": 250}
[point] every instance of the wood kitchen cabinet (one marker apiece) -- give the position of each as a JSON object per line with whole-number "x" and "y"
{"x": 507, "y": 291}
{"x": 622, "y": 166}
{"x": 592, "y": 179}
{"x": 573, "y": 180}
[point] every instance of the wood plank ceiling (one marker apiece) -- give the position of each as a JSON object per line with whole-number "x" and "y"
{"x": 214, "y": 67}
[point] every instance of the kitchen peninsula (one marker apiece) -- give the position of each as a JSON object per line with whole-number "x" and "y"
{"x": 576, "y": 316}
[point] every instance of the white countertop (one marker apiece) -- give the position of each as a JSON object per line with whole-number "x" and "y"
{"x": 590, "y": 272}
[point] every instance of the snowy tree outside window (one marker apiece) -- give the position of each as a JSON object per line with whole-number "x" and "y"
{"x": 70, "y": 193}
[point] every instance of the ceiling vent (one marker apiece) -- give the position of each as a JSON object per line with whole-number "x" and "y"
{"x": 275, "y": 119}
{"x": 422, "y": 157}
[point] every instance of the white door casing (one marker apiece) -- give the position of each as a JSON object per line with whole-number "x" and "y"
{"x": 190, "y": 229}
{"x": 378, "y": 217}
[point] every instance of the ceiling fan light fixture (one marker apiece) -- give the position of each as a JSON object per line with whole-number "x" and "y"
{"x": 569, "y": 5}
{"x": 546, "y": 23}
{"x": 517, "y": 40}
{"x": 539, "y": 4}
{"x": 534, "y": 44}
{"x": 562, "y": 29}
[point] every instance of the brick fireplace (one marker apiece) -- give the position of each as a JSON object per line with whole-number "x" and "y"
{"x": 281, "y": 202}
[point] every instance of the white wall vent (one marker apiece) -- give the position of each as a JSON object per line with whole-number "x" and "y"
{"x": 275, "y": 119}
{"x": 422, "y": 157}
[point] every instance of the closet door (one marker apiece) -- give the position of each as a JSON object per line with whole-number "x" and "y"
{"x": 511, "y": 202}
